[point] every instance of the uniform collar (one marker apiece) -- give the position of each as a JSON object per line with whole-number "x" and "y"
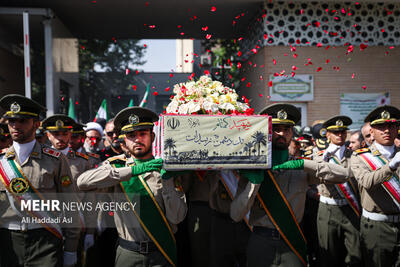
{"x": 22, "y": 151}
{"x": 386, "y": 151}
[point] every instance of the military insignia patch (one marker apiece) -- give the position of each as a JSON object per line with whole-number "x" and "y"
{"x": 361, "y": 150}
{"x": 93, "y": 155}
{"x": 133, "y": 119}
{"x": 339, "y": 123}
{"x": 65, "y": 181}
{"x": 282, "y": 115}
{"x": 79, "y": 154}
{"x": 385, "y": 115}
{"x": 18, "y": 186}
{"x": 59, "y": 123}
{"x": 51, "y": 152}
{"x": 15, "y": 107}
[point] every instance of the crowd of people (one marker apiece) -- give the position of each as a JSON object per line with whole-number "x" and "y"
{"x": 331, "y": 197}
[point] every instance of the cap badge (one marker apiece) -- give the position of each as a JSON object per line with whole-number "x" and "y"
{"x": 15, "y": 107}
{"x": 322, "y": 132}
{"x": 133, "y": 119}
{"x": 385, "y": 115}
{"x": 339, "y": 123}
{"x": 282, "y": 115}
{"x": 59, "y": 123}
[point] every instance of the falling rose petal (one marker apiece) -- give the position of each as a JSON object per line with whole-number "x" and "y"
{"x": 239, "y": 53}
{"x": 317, "y": 23}
{"x": 261, "y": 77}
{"x": 391, "y": 47}
{"x": 364, "y": 87}
{"x": 383, "y": 30}
{"x": 363, "y": 47}
{"x": 270, "y": 84}
{"x": 301, "y": 12}
{"x": 319, "y": 45}
{"x": 242, "y": 80}
{"x": 294, "y": 67}
{"x": 206, "y": 72}
{"x": 208, "y": 36}
{"x": 134, "y": 87}
{"x": 155, "y": 93}
{"x": 146, "y": 3}
{"x": 293, "y": 74}
{"x": 179, "y": 26}
{"x": 182, "y": 33}
{"x": 295, "y": 55}
{"x": 119, "y": 97}
{"x": 204, "y": 28}
{"x": 274, "y": 61}
{"x": 167, "y": 89}
{"x": 319, "y": 69}
{"x": 327, "y": 61}
{"x": 254, "y": 50}
{"x": 152, "y": 26}
{"x": 297, "y": 41}
{"x": 126, "y": 71}
{"x": 239, "y": 65}
{"x": 76, "y": 103}
{"x": 248, "y": 84}
{"x": 260, "y": 95}
{"x": 171, "y": 75}
{"x": 213, "y": 9}
{"x": 353, "y": 76}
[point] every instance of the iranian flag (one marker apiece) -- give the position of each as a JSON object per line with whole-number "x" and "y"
{"x": 102, "y": 113}
{"x": 146, "y": 95}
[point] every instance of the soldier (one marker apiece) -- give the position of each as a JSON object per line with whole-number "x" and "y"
{"x": 77, "y": 141}
{"x": 376, "y": 170}
{"x": 228, "y": 239}
{"x": 338, "y": 219}
{"x": 5, "y": 137}
{"x": 59, "y": 131}
{"x": 276, "y": 199}
{"x": 28, "y": 170}
{"x": 146, "y": 229}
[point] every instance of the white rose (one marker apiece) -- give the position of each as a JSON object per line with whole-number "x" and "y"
{"x": 210, "y": 106}
{"x": 227, "y": 106}
{"x": 193, "y": 107}
{"x": 183, "y": 109}
{"x": 172, "y": 107}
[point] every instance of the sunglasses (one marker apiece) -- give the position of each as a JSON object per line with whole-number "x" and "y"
{"x": 110, "y": 134}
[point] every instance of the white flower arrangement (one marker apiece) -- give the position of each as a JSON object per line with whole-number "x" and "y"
{"x": 206, "y": 96}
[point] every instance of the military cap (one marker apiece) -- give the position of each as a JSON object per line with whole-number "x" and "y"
{"x": 20, "y": 107}
{"x": 77, "y": 128}
{"x": 39, "y": 132}
{"x": 306, "y": 131}
{"x": 383, "y": 114}
{"x": 319, "y": 135}
{"x": 282, "y": 113}
{"x": 135, "y": 118}
{"x": 58, "y": 122}
{"x": 4, "y": 130}
{"x": 337, "y": 123}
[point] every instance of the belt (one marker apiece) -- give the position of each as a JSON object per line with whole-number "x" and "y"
{"x": 23, "y": 227}
{"x": 381, "y": 217}
{"x": 143, "y": 247}
{"x": 333, "y": 201}
{"x": 267, "y": 232}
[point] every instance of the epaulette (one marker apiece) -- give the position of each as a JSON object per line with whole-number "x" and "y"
{"x": 320, "y": 153}
{"x": 115, "y": 158}
{"x": 308, "y": 153}
{"x": 51, "y": 152}
{"x": 93, "y": 155}
{"x": 79, "y": 154}
{"x": 362, "y": 150}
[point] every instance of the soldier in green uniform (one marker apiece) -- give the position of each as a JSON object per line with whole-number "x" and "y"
{"x": 276, "y": 199}
{"x": 146, "y": 229}
{"x": 377, "y": 170}
{"x": 28, "y": 171}
{"x": 338, "y": 219}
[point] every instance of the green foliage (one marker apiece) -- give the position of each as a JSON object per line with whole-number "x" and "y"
{"x": 224, "y": 53}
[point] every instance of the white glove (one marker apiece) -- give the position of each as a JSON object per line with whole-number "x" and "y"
{"x": 70, "y": 258}
{"x": 89, "y": 242}
{"x": 330, "y": 151}
{"x": 394, "y": 163}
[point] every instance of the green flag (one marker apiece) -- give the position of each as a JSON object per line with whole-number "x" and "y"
{"x": 130, "y": 103}
{"x": 102, "y": 112}
{"x": 71, "y": 109}
{"x": 146, "y": 95}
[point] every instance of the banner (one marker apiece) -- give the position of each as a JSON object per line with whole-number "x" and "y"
{"x": 357, "y": 106}
{"x": 215, "y": 141}
{"x": 294, "y": 89}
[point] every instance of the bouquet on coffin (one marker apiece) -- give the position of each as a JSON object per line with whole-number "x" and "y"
{"x": 206, "y": 127}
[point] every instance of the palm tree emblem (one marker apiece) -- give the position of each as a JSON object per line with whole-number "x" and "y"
{"x": 169, "y": 144}
{"x": 248, "y": 146}
{"x": 259, "y": 139}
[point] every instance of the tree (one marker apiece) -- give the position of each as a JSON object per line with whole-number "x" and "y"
{"x": 248, "y": 146}
{"x": 169, "y": 144}
{"x": 114, "y": 57}
{"x": 259, "y": 139}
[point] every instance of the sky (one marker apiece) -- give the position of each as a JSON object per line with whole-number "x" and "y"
{"x": 160, "y": 55}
